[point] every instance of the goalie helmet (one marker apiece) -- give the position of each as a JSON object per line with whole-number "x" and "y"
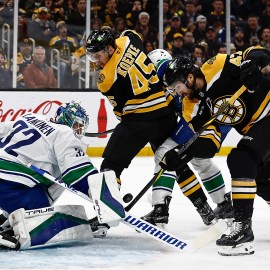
{"x": 178, "y": 70}
{"x": 99, "y": 40}
{"x": 74, "y": 116}
{"x": 158, "y": 57}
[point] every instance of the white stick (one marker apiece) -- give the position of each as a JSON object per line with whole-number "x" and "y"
{"x": 160, "y": 235}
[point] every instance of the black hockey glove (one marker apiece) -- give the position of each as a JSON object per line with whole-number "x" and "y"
{"x": 250, "y": 75}
{"x": 173, "y": 161}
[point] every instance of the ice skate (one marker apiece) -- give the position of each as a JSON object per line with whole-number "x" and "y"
{"x": 160, "y": 215}
{"x": 98, "y": 229}
{"x": 238, "y": 242}
{"x": 225, "y": 208}
{"x": 205, "y": 211}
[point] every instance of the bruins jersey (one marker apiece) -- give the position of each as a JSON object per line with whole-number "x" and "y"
{"x": 222, "y": 76}
{"x": 130, "y": 82}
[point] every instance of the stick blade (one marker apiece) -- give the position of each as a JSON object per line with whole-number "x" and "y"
{"x": 210, "y": 234}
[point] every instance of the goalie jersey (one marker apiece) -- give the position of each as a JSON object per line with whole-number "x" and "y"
{"x": 222, "y": 76}
{"x": 47, "y": 145}
{"x": 130, "y": 82}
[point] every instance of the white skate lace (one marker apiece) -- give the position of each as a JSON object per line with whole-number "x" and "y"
{"x": 236, "y": 229}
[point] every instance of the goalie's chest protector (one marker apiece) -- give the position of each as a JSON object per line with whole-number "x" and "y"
{"x": 130, "y": 82}
{"x": 222, "y": 75}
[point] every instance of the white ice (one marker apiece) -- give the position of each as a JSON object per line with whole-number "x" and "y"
{"x": 124, "y": 248}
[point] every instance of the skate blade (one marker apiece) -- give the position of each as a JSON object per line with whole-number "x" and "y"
{"x": 239, "y": 250}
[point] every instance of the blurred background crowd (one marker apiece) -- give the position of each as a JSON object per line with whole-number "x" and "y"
{"x": 52, "y": 38}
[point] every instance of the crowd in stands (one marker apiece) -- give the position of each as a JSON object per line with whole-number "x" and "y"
{"x": 194, "y": 28}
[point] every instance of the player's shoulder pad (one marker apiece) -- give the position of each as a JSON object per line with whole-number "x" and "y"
{"x": 258, "y": 54}
{"x": 129, "y": 32}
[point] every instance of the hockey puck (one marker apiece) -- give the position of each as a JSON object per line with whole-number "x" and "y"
{"x": 127, "y": 198}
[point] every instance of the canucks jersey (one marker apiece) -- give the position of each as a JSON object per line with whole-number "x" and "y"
{"x": 222, "y": 76}
{"x": 47, "y": 145}
{"x": 130, "y": 82}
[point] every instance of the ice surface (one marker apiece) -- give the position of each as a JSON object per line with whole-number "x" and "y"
{"x": 125, "y": 249}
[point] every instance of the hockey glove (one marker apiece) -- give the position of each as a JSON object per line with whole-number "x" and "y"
{"x": 250, "y": 75}
{"x": 173, "y": 161}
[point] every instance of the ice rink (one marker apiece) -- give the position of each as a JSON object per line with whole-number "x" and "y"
{"x": 124, "y": 248}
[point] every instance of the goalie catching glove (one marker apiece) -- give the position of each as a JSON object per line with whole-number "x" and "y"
{"x": 173, "y": 160}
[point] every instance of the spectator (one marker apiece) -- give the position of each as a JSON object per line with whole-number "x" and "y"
{"x": 22, "y": 25}
{"x": 239, "y": 40}
{"x": 265, "y": 18}
{"x": 55, "y": 13}
{"x": 132, "y": 17}
{"x": 68, "y": 7}
{"x": 265, "y": 38}
{"x": 252, "y": 29}
{"x": 232, "y": 48}
{"x": 77, "y": 20}
{"x": 166, "y": 45}
{"x": 217, "y": 15}
{"x": 66, "y": 45}
{"x": 110, "y": 14}
{"x": 198, "y": 55}
{"x": 175, "y": 27}
{"x": 147, "y": 31}
{"x": 222, "y": 31}
{"x": 40, "y": 29}
{"x": 212, "y": 41}
{"x": 119, "y": 27}
{"x": 5, "y": 78}
{"x": 222, "y": 48}
{"x": 177, "y": 46}
{"x": 148, "y": 46}
{"x": 38, "y": 74}
{"x": 166, "y": 14}
{"x": 200, "y": 30}
{"x": 24, "y": 58}
{"x": 6, "y": 12}
{"x": 188, "y": 43}
{"x": 240, "y": 9}
{"x": 190, "y": 14}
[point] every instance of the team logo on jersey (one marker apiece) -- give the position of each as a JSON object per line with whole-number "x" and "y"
{"x": 233, "y": 115}
{"x": 101, "y": 78}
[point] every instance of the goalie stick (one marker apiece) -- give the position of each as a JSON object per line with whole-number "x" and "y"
{"x": 185, "y": 146}
{"x": 90, "y": 134}
{"x": 160, "y": 235}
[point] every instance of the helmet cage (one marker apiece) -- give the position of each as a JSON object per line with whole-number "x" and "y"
{"x": 74, "y": 116}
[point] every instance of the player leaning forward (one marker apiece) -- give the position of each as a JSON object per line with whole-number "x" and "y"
{"x": 216, "y": 81}
{"x": 55, "y": 147}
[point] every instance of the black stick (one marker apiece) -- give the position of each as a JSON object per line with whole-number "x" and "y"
{"x": 188, "y": 143}
{"x": 89, "y": 134}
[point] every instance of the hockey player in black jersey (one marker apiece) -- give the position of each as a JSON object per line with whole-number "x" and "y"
{"x": 213, "y": 84}
{"x": 129, "y": 80}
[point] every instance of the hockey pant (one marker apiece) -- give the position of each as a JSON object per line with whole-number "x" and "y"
{"x": 187, "y": 180}
{"x": 252, "y": 152}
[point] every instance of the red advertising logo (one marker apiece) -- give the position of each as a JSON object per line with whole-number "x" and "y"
{"x": 46, "y": 107}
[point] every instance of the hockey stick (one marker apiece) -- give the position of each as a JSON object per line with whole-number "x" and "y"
{"x": 160, "y": 235}
{"x": 185, "y": 146}
{"x": 90, "y": 134}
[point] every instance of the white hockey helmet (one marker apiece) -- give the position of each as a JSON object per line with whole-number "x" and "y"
{"x": 158, "y": 57}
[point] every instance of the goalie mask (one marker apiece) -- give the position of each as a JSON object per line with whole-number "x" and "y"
{"x": 73, "y": 115}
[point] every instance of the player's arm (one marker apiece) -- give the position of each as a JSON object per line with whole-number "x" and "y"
{"x": 255, "y": 68}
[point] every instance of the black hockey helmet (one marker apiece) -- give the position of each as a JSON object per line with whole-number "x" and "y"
{"x": 178, "y": 70}
{"x": 99, "y": 40}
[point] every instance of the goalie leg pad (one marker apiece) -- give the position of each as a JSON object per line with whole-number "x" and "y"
{"x": 106, "y": 197}
{"x": 50, "y": 226}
